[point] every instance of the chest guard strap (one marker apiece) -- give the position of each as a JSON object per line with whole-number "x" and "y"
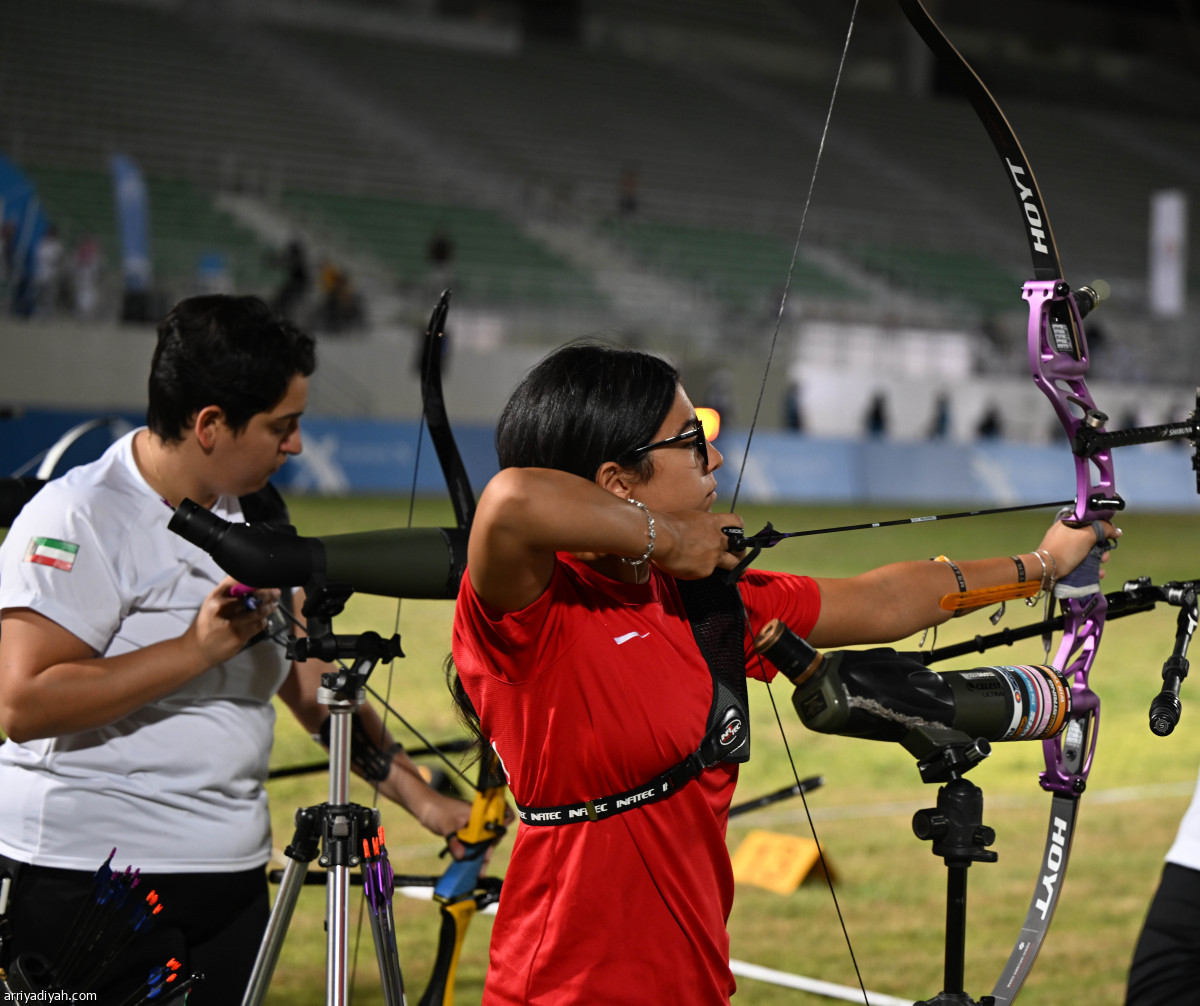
{"x": 714, "y": 610}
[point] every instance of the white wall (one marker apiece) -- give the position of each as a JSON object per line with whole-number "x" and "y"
{"x": 68, "y": 365}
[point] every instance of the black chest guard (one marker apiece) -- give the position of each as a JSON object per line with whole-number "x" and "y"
{"x": 714, "y": 610}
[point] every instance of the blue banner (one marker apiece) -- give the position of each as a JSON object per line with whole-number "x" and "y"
{"x": 133, "y": 221}
{"x": 347, "y": 456}
{"x": 24, "y": 223}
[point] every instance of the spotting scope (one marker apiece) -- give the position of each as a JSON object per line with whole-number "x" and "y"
{"x": 416, "y": 562}
{"x": 880, "y": 694}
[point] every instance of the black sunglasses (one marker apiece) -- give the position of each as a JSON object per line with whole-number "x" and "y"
{"x": 697, "y": 433}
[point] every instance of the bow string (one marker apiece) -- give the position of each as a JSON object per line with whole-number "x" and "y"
{"x": 735, "y": 534}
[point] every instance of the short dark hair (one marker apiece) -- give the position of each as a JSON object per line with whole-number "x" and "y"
{"x": 223, "y": 350}
{"x": 584, "y": 404}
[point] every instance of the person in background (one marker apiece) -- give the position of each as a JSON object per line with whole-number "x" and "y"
{"x": 296, "y": 283}
{"x": 1166, "y": 958}
{"x": 48, "y": 260}
{"x": 135, "y": 681}
{"x": 86, "y": 265}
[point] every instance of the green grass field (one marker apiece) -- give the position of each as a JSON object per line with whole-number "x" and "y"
{"x": 890, "y": 887}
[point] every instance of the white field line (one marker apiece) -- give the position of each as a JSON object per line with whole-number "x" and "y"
{"x": 1122, "y": 794}
{"x": 829, "y": 990}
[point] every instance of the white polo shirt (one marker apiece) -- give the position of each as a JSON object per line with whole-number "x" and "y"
{"x": 1185, "y": 851}
{"x": 177, "y": 785}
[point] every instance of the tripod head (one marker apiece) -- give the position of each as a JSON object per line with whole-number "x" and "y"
{"x": 322, "y": 601}
{"x": 944, "y": 754}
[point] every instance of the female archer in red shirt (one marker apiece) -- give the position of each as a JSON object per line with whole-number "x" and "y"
{"x": 579, "y": 648}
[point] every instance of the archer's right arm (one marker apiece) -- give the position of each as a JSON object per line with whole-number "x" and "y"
{"x": 526, "y": 515}
{"x": 53, "y": 683}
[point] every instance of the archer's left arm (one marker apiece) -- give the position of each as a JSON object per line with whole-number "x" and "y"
{"x": 891, "y": 602}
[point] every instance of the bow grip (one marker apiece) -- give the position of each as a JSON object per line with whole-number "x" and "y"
{"x": 1084, "y": 579}
{"x": 461, "y": 876}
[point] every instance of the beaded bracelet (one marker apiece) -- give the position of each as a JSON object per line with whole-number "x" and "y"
{"x": 649, "y": 530}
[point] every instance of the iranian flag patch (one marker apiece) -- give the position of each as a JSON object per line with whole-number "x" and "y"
{"x": 52, "y": 552}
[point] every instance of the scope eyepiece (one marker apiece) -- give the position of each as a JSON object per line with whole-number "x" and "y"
{"x": 201, "y": 527}
{"x": 254, "y": 554}
{"x": 791, "y": 654}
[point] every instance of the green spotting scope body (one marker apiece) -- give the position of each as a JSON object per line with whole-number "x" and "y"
{"x": 879, "y": 694}
{"x": 418, "y": 562}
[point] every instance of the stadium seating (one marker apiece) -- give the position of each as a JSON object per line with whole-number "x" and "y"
{"x": 375, "y": 140}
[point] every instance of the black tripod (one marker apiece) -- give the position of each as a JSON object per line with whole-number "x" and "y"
{"x": 335, "y": 828}
{"x": 959, "y": 836}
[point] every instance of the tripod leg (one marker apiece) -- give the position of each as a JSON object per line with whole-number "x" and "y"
{"x": 337, "y": 946}
{"x": 956, "y": 927}
{"x": 301, "y": 852}
{"x": 272, "y": 942}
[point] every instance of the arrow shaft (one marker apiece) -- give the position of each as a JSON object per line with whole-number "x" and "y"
{"x": 767, "y": 539}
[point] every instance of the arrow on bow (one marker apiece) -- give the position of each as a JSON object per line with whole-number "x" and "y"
{"x": 768, "y": 537}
